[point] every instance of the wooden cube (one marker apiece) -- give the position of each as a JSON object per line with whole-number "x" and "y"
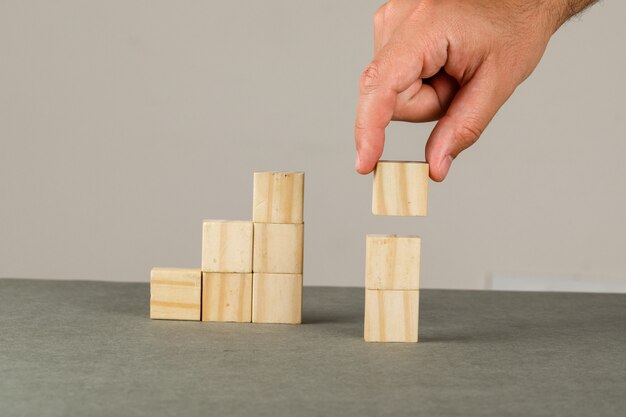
{"x": 400, "y": 189}
{"x": 278, "y": 197}
{"x": 391, "y": 316}
{"x": 278, "y": 248}
{"x": 277, "y": 298}
{"x": 392, "y": 262}
{"x": 226, "y": 297}
{"x": 175, "y": 293}
{"x": 227, "y": 246}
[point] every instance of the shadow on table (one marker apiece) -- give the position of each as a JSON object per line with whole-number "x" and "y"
{"x": 344, "y": 324}
{"x": 457, "y": 338}
{"x": 329, "y": 317}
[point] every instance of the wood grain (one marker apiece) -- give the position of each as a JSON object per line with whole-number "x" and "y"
{"x": 391, "y": 316}
{"x": 175, "y": 293}
{"x": 227, "y": 246}
{"x": 400, "y": 188}
{"x": 226, "y": 297}
{"x": 278, "y": 197}
{"x": 278, "y": 248}
{"x": 277, "y": 298}
{"x": 392, "y": 262}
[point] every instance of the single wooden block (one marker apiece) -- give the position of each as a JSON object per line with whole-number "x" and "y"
{"x": 227, "y": 246}
{"x": 278, "y": 197}
{"x": 175, "y": 293}
{"x": 400, "y": 189}
{"x": 278, "y": 248}
{"x": 277, "y": 298}
{"x": 226, "y": 297}
{"x": 391, "y": 316}
{"x": 392, "y": 262}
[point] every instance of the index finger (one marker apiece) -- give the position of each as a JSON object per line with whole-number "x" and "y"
{"x": 392, "y": 71}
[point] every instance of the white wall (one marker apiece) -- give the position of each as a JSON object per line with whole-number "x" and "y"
{"x": 124, "y": 123}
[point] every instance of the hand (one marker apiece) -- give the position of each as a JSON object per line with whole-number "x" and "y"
{"x": 456, "y": 61}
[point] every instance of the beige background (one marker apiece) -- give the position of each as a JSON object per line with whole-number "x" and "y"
{"x": 124, "y": 123}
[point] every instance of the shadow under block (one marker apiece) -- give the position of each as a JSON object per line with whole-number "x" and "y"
{"x": 278, "y": 197}
{"x": 277, "y": 298}
{"x": 400, "y": 189}
{"x": 175, "y": 293}
{"x": 226, "y": 297}
{"x": 227, "y": 246}
{"x": 392, "y": 262}
{"x": 391, "y": 316}
{"x": 278, "y": 248}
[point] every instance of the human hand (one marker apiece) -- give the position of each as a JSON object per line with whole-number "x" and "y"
{"x": 456, "y": 61}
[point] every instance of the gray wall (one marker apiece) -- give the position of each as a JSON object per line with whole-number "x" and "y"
{"x": 124, "y": 123}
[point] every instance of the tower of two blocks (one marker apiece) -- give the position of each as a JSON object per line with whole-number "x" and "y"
{"x": 392, "y": 263}
{"x": 251, "y": 270}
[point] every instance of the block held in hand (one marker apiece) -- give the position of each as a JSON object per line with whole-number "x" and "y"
{"x": 400, "y": 189}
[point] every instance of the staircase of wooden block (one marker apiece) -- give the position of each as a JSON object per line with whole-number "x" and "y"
{"x": 251, "y": 270}
{"x": 392, "y": 263}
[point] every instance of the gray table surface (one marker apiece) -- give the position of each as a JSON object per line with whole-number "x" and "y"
{"x": 89, "y": 349}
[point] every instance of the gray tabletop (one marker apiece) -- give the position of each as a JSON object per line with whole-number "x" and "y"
{"x": 89, "y": 349}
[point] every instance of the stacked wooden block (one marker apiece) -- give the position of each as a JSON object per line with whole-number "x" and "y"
{"x": 227, "y": 270}
{"x": 278, "y": 247}
{"x": 251, "y": 270}
{"x": 392, "y": 266}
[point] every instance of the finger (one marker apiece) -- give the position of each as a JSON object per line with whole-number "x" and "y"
{"x": 408, "y": 56}
{"x": 469, "y": 113}
{"x": 392, "y": 71}
{"x": 427, "y": 101}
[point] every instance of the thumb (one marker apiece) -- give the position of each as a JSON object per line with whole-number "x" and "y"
{"x": 469, "y": 113}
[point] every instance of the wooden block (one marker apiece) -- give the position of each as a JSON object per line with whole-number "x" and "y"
{"x": 392, "y": 262}
{"x": 400, "y": 189}
{"x": 227, "y": 246}
{"x": 277, "y": 298}
{"x": 175, "y": 293}
{"x": 278, "y": 248}
{"x": 278, "y": 197}
{"x": 391, "y": 316}
{"x": 226, "y": 297}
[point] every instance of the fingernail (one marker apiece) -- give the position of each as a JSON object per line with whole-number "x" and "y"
{"x": 357, "y": 164}
{"x": 445, "y": 165}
